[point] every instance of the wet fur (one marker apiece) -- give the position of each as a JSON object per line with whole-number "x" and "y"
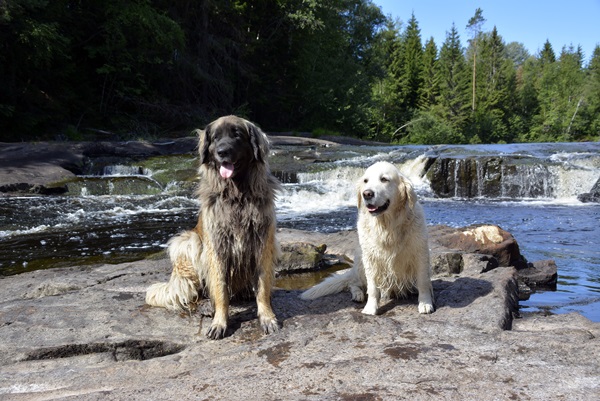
{"x": 393, "y": 258}
{"x": 232, "y": 251}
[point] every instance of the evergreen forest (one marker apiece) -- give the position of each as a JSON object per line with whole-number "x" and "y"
{"x": 143, "y": 69}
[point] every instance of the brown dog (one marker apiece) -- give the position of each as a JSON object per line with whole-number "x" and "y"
{"x": 232, "y": 251}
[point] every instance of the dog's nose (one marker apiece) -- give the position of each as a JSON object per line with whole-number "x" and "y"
{"x": 368, "y": 194}
{"x": 223, "y": 152}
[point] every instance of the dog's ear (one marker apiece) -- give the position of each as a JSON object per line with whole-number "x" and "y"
{"x": 259, "y": 142}
{"x": 204, "y": 143}
{"x": 359, "y": 193}
{"x": 407, "y": 192}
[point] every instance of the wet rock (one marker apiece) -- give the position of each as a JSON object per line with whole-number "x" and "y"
{"x": 449, "y": 263}
{"x": 593, "y": 195}
{"x": 539, "y": 275}
{"x": 490, "y": 176}
{"x": 44, "y": 167}
{"x": 86, "y": 334}
{"x": 300, "y": 256}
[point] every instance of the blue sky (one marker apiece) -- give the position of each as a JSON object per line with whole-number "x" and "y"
{"x": 530, "y": 22}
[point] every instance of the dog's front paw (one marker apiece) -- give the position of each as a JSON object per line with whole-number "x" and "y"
{"x": 370, "y": 309}
{"x": 425, "y": 307}
{"x": 216, "y": 331}
{"x": 270, "y": 325}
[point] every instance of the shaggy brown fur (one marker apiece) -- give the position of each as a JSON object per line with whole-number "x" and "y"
{"x": 232, "y": 251}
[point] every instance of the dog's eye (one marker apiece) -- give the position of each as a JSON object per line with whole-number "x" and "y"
{"x": 384, "y": 179}
{"x": 366, "y": 180}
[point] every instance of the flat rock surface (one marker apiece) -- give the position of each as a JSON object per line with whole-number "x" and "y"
{"x": 84, "y": 333}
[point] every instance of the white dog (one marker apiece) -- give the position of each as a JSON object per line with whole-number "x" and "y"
{"x": 394, "y": 254}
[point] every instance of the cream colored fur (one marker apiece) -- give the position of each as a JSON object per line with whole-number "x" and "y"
{"x": 182, "y": 288}
{"x": 393, "y": 258}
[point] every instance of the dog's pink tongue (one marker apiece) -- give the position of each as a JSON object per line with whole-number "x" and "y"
{"x": 371, "y": 208}
{"x": 226, "y": 170}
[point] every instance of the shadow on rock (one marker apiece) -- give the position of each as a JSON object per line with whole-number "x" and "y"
{"x": 461, "y": 292}
{"x": 288, "y": 304}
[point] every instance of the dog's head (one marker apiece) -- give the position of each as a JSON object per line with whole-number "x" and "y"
{"x": 232, "y": 144}
{"x": 382, "y": 187}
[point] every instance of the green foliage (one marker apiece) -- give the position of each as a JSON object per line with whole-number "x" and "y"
{"x": 145, "y": 68}
{"x": 428, "y": 128}
{"x": 322, "y": 132}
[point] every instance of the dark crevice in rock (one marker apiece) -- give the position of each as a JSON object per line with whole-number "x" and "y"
{"x": 139, "y": 350}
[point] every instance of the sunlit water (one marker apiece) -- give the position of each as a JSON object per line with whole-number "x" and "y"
{"x": 45, "y": 232}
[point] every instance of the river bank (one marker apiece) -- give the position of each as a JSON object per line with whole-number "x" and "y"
{"x": 45, "y": 167}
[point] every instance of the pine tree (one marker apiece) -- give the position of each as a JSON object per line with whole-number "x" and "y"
{"x": 406, "y": 71}
{"x": 384, "y": 97}
{"x": 547, "y": 55}
{"x": 527, "y": 104}
{"x": 474, "y": 26}
{"x": 572, "y": 91}
{"x": 430, "y": 88}
{"x": 592, "y": 94}
{"x": 454, "y": 81}
{"x": 560, "y": 95}
{"x": 495, "y": 81}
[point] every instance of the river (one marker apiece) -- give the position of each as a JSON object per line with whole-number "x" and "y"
{"x": 124, "y": 212}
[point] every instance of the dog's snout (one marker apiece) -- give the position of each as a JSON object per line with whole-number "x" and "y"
{"x": 368, "y": 194}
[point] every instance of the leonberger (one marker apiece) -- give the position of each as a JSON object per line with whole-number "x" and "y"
{"x": 232, "y": 251}
{"x": 393, "y": 258}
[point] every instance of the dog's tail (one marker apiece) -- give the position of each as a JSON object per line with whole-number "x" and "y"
{"x": 182, "y": 288}
{"x": 333, "y": 284}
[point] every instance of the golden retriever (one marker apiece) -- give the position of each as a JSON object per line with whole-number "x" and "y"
{"x": 393, "y": 257}
{"x": 232, "y": 251}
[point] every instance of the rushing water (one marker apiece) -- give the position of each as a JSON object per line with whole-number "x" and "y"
{"x": 127, "y": 212}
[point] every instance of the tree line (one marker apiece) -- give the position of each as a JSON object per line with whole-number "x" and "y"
{"x": 70, "y": 69}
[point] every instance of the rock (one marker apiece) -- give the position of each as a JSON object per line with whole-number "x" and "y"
{"x": 483, "y": 239}
{"x": 452, "y": 177}
{"x": 339, "y": 243}
{"x": 300, "y": 256}
{"x": 43, "y": 167}
{"x": 593, "y": 195}
{"x": 478, "y": 176}
{"x": 447, "y": 263}
{"x": 542, "y": 274}
{"x": 86, "y": 334}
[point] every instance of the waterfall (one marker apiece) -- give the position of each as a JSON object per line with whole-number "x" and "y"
{"x": 517, "y": 176}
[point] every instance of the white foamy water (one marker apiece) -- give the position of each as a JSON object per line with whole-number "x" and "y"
{"x": 319, "y": 192}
